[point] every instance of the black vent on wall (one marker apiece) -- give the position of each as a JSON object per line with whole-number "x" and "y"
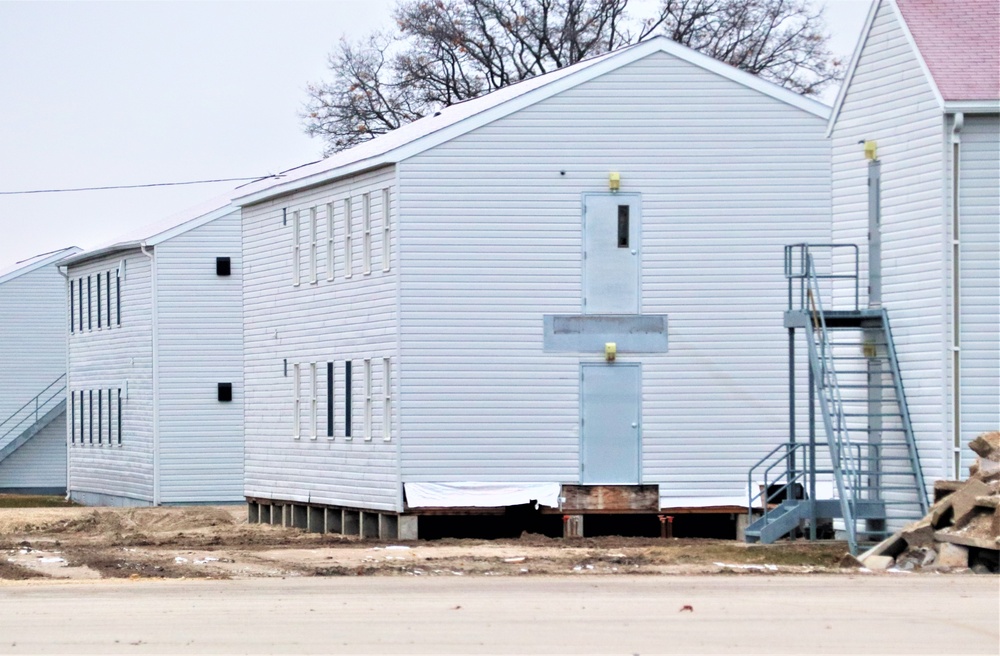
{"x": 225, "y": 391}
{"x": 222, "y": 266}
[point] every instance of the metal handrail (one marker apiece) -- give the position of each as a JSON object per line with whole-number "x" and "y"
{"x": 797, "y": 258}
{"x": 833, "y": 417}
{"x": 788, "y": 448}
{"x": 36, "y": 408}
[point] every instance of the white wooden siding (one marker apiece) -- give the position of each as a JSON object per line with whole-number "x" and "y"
{"x": 119, "y": 356}
{"x": 33, "y": 330}
{"x": 979, "y": 258}
{"x": 200, "y": 325}
{"x": 490, "y": 241}
{"x": 891, "y": 102}
{"x": 329, "y": 321}
{"x": 40, "y": 462}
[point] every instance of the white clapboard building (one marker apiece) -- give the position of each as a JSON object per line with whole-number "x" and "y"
{"x": 569, "y": 284}
{"x": 33, "y": 375}
{"x": 923, "y": 90}
{"x": 154, "y": 400}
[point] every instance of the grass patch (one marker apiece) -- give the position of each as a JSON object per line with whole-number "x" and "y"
{"x": 34, "y": 501}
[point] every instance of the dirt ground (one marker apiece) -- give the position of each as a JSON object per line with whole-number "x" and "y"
{"x": 217, "y": 542}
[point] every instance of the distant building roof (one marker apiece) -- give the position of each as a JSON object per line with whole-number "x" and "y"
{"x": 36, "y": 262}
{"x": 160, "y": 231}
{"x": 960, "y": 43}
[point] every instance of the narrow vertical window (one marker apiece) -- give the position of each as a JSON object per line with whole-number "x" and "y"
{"x": 296, "y": 249}
{"x": 386, "y": 399}
{"x": 119, "y": 416}
{"x": 111, "y": 431}
{"x": 313, "y": 402}
{"x": 82, "y": 431}
{"x": 100, "y": 411}
{"x": 72, "y": 306}
{"x": 90, "y": 416}
{"x": 98, "y": 300}
{"x": 118, "y": 297}
{"x": 347, "y": 399}
{"x": 329, "y": 241}
{"x": 329, "y": 399}
{"x": 313, "y": 244}
{"x": 297, "y": 404}
{"x": 90, "y": 305}
{"x": 366, "y": 233}
{"x": 348, "y": 240}
{"x": 368, "y": 400}
{"x": 72, "y": 417}
{"x": 386, "y": 234}
{"x": 107, "y": 285}
{"x": 79, "y": 304}
{"x": 623, "y": 211}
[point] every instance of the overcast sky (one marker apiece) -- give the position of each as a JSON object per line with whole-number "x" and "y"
{"x": 97, "y": 94}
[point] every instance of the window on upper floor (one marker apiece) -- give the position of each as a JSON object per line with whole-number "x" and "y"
{"x": 386, "y": 234}
{"x": 313, "y": 245}
{"x": 348, "y": 238}
{"x": 296, "y": 249}
{"x": 366, "y": 234}
{"x": 329, "y": 241}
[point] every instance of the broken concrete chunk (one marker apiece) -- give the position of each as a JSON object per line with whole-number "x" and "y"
{"x": 987, "y": 446}
{"x": 964, "y": 502}
{"x": 919, "y": 534}
{"x": 952, "y": 555}
{"x": 879, "y": 562}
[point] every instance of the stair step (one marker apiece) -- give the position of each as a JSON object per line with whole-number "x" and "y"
{"x": 867, "y": 386}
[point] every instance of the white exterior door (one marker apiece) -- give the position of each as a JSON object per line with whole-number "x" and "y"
{"x": 611, "y": 232}
{"x": 610, "y": 424}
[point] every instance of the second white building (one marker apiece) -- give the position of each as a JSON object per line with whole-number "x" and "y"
{"x": 154, "y": 403}
{"x": 431, "y": 316}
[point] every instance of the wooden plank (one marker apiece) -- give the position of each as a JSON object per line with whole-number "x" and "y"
{"x": 454, "y": 511}
{"x": 611, "y": 498}
{"x": 704, "y": 510}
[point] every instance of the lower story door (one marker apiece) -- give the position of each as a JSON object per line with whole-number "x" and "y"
{"x": 610, "y": 431}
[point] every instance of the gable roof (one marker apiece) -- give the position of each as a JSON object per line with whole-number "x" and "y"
{"x": 159, "y": 231}
{"x": 34, "y": 263}
{"x": 960, "y": 42}
{"x": 458, "y": 119}
{"x": 960, "y": 39}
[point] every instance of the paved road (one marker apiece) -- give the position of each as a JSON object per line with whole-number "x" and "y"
{"x": 621, "y": 615}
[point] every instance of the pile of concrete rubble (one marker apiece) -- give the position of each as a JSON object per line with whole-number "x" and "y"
{"x": 962, "y": 529}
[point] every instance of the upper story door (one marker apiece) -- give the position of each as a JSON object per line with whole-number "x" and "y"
{"x": 611, "y": 253}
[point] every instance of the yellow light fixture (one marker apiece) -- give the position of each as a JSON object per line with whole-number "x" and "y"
{"x": 610, "y": 351}
{"x": 871, "y": 150}
{"x": 614, "y": 181}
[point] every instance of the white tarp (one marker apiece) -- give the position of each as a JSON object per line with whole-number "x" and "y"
{"x": 480, "y": 495}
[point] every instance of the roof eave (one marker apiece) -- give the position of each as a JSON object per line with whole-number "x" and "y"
{"x": 52, "y": 260}
{"x": 323, "y": 177}
{"x": 88, "y": 256}
{"x": 852, "y": 67}
{"x": 972, "y": 106}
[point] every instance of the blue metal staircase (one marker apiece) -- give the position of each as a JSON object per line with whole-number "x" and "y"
{"x": 869, "y": 457}
{"x": 28, "y": 420}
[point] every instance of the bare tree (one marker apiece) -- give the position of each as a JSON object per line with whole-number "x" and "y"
{"x": 448, "y": 51}
{"x": 780, "y": 40}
